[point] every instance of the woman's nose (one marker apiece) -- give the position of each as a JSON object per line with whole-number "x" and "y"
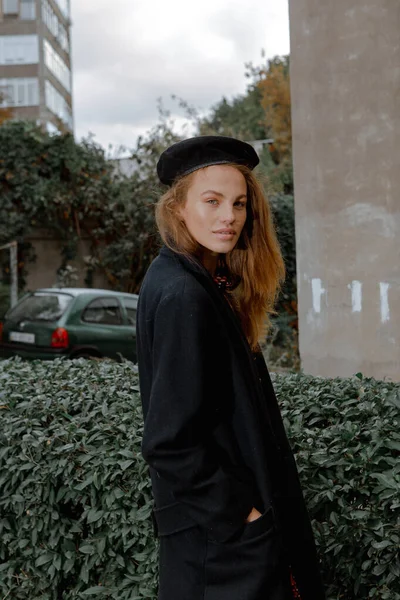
{"x": 227, "y": 214}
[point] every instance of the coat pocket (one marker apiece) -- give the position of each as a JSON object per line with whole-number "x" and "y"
{"x": 259, "y": 527}
{"x": 251, "y": 566}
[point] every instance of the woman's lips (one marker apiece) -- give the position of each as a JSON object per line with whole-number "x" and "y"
{"x": 225, "y": 234}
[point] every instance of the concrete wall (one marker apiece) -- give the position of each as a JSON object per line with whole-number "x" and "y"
{"x": 43, "y": 271}
{"x": 345, "y": 78}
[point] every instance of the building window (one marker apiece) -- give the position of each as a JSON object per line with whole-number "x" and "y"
{"x": 58, "y": 105}
{"x": 10, "y": 7}
{"x": 19, "y": 91}
{"x": 54, "y": 26}
{"x": 28, "y": 10}
{"x": 6, "y": 94}
{"x": 19, "y": 49}
{"x": 57, "y": 66}
{"x": 63, "y": 5}
{"x": 49, "y": 17}
{"x": 63, "y": 38}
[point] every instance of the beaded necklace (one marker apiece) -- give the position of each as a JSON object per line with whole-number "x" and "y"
{"x": 226, "y": 281}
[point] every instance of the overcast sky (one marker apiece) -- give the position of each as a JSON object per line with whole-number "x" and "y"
{"x": 128, "y": 53}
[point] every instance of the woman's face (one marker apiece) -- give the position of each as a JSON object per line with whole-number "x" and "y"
{"x": 215, "y": 207}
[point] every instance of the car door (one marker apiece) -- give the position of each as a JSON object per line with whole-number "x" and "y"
{"x": 106, "y": 329}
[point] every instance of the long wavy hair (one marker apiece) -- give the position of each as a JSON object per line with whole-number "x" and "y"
{"x": 256, "y": 258}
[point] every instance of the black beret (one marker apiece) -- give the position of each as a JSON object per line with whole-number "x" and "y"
{"x": 194, "y": 153}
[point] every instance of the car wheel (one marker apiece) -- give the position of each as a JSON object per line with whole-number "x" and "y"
{"x": 86, "y": 355}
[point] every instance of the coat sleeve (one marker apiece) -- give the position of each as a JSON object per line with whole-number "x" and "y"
{"x": 190, "y": 387}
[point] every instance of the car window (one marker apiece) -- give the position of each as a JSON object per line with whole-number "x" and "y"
{"x": 131, "y": 306}
{"x": 105, "y": 311}
{"x": 40, "y": 306}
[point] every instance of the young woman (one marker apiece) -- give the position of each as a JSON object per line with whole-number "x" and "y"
{"x": 229, "y": 510}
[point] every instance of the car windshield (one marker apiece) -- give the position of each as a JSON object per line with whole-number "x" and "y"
{"x": 40, "y": 306}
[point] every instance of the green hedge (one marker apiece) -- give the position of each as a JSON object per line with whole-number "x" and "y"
{"x": 346, "y": 437}
{"x": 75, "y": 496}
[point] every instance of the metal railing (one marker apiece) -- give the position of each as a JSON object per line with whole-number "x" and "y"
{"x": 13, "y": 247}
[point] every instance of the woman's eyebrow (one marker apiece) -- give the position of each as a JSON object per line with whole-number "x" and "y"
{"x": 211, "y": 192}
{"x": 221, "y": 195}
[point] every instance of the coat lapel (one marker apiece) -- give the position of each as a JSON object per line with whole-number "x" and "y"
{"x": 206, "y": 280}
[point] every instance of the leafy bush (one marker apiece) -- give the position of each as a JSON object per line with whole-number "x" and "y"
{"x": 75, "y": 494}
{"x": 76, "y": 498}
{"x": 346, "y": 438}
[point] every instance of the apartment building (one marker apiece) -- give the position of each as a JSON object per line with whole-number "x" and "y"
{"x": 35, "y": 61}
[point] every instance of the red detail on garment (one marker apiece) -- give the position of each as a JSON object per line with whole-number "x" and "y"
{"x": 295, "y": 589}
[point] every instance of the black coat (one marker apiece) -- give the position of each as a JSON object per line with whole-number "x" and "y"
{"x": 216, "y": 446}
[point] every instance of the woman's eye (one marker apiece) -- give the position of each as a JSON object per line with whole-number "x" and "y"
{"x": 241, "y": 204}
{"x": 212, "y": 201}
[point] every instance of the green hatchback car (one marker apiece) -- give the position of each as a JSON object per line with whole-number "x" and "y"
{"x": 71, "y": 322}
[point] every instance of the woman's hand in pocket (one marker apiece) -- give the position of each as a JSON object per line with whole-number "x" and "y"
{"x": 253, "y": 516}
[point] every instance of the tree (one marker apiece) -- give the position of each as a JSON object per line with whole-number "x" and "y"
{"x": 6, "y": 113}
{"x": 272, "y": 82}
{"x": 72, "y": 190}
{"x": 263, "y": 112}
{"x": 242, "y": 116}
{"x": 274, "y": 86}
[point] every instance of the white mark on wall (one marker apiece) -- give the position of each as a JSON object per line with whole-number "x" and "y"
{"x": 356, "y": 295}
{"x": 356, "y": 289}
{"x": 317, "y": 291}
{"x": 385, "y": 315}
